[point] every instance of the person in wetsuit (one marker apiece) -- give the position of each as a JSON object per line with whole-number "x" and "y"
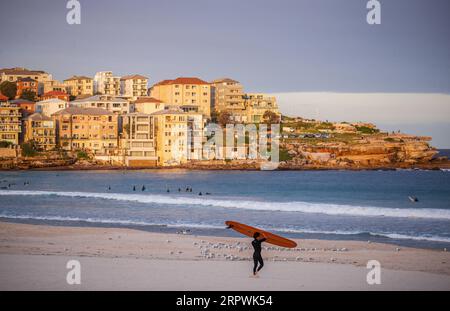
{"x": 257, "y": 259}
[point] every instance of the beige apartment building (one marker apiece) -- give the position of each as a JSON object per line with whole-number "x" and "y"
{"x": 179, "y": 136}
{"x": 228, "y": 96}
{"x": 148, "y": 105}
{"x": 185, "y": 91}
{"x": 140, "y": 142}
{"x": 17, "y": 73}
{"x": 41, "y": 129}
{"x": 54, "y": 86}
{"x": 92, "y": 129}
{"x": 134, "y": 86}
{"x": 106, "y": 83}
{"x": 114, "y": 104}
{"x": 79, "y": 85}
{"x": 10, "y": 122}
{"x": 257, "y": 104}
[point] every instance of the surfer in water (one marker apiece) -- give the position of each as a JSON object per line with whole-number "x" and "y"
{"x": 257, "y": 258}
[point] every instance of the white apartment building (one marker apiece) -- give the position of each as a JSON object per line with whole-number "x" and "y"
{"x": 133, "y": 86}
{"x": 50, "y": 106}
{"x": 113, "y": 104}
{"x": 106, "y": 83}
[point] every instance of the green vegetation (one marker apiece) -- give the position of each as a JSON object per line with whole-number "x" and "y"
{"x": 284, "y": 155}
{"x": 29, "y": 149}
{"x": 5, "y": 144}
{"x": 9, "y": 89}
{"x": 325, "y": 126}
{"x": 271, "y": 117}
{"x": 390, "y": 139}
{"x": 367, "y": 130}
{"x": 28, "y": 95}
{"x": 82, "y": 155}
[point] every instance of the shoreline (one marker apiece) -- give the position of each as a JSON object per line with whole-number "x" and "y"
{"x": 34, "y": 257}
{"x": 425, "y": 167}
{"x": 223, "y": 233}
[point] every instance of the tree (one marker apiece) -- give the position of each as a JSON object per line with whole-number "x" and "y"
{"x": 29, "y": 149}
{"x": 224, "y": 118}
{"x": 28, "y": 95}
{"x": 5, "y": 144}
{"x": 271, "y": 117}
{"x": 9, "y": 89}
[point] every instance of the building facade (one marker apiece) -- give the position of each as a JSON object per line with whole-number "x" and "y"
{"x": 79, "y": 85}
{"x": 10, "y": 122}
{"x": 50, "y": 106}
{"x": 106, "y": 83}
{"x": 54, "y": 86}
{"x": 14, "y": 74}
{"x": 26, "y": 84}
{"x": 134, "y": 86}
{"x": 110, "y": 103}
{"x": 148, "y": 105}
{"x": 228, "y": 96}
{"x": 185, "y": 91}
{"x": 140, "y": 141}
{"x": 94, "y": 130}
{"x": 178, "y": 136}
{"x": 41, "y": 130}
{"x": 257, "y": 104}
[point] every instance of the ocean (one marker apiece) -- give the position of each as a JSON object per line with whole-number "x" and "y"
{"x": 353, "y": 205}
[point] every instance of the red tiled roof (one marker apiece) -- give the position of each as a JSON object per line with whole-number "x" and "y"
{"x": 182, "y": 80}
{"x": 147, "y": 100}
{"x": 55, "y": 93}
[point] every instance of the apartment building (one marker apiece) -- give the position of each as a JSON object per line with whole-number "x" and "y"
{"x": 106, "y": 83}
{"x": 92, "y": 129}
{"x": 228, "y": 96}
{"x": 134, "y": 86}
{"x": 148, "y": 105}
{"x": 140, "y": 140}
{"x": 179, "y": 136}
{"x": 26, "y": 107}
{"x": 14, "y": 74}
{"x": 50, "y": 106}
{"x": 257, "y": 104}
{"x": 110, "y": 103}
{"x": 10, "y": 122}
{"x": 79, "y": 85}
{"x": 185, "y": 91}
{"x": 54, "y": 86}
{"x": 26, "y": 84}
{"x": 40, "y": 129}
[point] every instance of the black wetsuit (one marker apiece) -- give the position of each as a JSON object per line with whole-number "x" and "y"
{"x": 257, "y": 255}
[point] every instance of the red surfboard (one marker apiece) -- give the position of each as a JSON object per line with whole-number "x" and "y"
{"x": 270, "y": 237}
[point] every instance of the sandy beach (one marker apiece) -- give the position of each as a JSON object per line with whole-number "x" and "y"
{"x": 34, "y": 257}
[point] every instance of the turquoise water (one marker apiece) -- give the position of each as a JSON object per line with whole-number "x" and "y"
{"x": 364, "y": 205}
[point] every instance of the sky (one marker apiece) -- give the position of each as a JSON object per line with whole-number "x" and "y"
{"x": 284, "y": 47}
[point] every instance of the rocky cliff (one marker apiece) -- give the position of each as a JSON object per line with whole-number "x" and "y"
{"x": 366, "y": 152}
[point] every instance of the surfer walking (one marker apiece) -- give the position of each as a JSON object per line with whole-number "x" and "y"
{"x": 257, "y": 258}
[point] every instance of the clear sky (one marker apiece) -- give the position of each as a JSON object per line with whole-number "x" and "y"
{"x": 270, "y": 46}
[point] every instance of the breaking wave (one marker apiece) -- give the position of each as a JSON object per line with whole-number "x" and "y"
{"x": 297, "y": 206}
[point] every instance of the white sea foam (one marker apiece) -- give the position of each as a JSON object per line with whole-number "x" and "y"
{"x": 395, "y": 236}
{"x": 298, "y": 206}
